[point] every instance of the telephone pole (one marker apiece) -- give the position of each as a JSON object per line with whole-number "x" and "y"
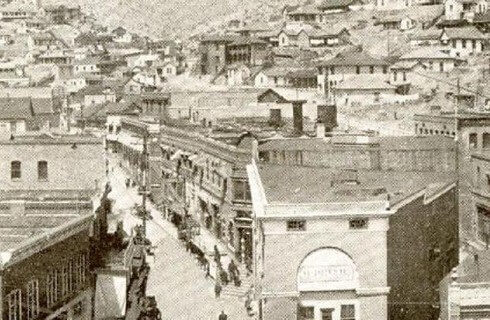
{"x": 145, "y": 181}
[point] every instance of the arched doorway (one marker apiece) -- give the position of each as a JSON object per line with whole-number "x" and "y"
{"x": 327, "y": 280}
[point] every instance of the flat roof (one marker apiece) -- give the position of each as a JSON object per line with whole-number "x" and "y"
{"x": 46, "y": 138}
{"x": 296, "y": 184}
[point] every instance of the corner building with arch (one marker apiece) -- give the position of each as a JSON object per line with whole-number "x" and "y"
{"x": 321, "y": 242}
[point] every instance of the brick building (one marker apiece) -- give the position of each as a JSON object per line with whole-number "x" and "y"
{"x": 50, "y": 189}
{"x": 206, "y": 178}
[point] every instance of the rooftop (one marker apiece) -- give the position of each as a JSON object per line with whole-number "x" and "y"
{"x": 365, "y": 82}
{"x": 469, "y": 32}
{"x": 295, "y": 184}
{"x": 427, "y": 53}
{"x": 356, "y": 57}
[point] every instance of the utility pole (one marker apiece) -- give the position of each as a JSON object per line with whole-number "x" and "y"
{"x": 145, "y": 180}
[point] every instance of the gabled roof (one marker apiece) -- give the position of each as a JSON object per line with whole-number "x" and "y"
{"x": 427, "y": 34}
{"x": 469, "y": 32}
{"x": 330, "y": 4}
{"x": 357, "y": 57}
{"x": 307, "y": 9}
{"x": 427, "y": 53}
{"x": 24, "y": 108}
{"x": 220, "y": 38}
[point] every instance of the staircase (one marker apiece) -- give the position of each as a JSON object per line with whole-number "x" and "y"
{"x": 240, "y": 292}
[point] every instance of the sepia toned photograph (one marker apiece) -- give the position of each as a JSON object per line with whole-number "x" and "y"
{"x": 244, "y": 160}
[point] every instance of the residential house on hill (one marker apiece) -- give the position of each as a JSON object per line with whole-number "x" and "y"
{"x": 121, "y": 35}
{"x": 62, "y": 13}
{"x": 396, "y": 22}
{"x": 482, "y": 21}
{"x": 455, "y": 10}
{"x": 17, "y": 11}
{"x": 428, "y": 37}
{"x": 308, "y": 36}
{"x": 307, "y": 13}
{"x": 20, "y": 114}
{"x": 87, "y": 65}
{"x": 337, "y": 6}
{"x": 43, "y": 41}
{"x": 366, "y": 89}
{"x": 464, "y": 41}
{"x": 349, "y": 62}
{"x": 248, "y": 50}
{"x": 213, "y": 51}
{"x": 393, "y": 4}
{"x": 405, "y": 74}
{"x": 434, "y": 58}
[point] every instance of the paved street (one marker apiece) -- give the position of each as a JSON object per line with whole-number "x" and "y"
{"x": 175, "y": 279}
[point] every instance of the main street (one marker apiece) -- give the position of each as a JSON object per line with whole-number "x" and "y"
{"x": 177, "y": 282}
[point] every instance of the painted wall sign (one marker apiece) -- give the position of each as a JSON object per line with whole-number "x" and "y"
{"x": 327, "y": 269}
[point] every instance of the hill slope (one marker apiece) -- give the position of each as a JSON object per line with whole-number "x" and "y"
{"x": 175, "y": 17}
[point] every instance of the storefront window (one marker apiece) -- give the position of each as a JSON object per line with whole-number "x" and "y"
{"x": 347, "y": 312}
{"x": 241, "y": 190}
{"x": 306, "y": 313}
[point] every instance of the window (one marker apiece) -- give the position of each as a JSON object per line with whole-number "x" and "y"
{"x": 361, "y": 223}
{"x": 474, "y": 44}
{"x": 82, "y": 269}
{"x": 441, "y": 66}
{"x": 296, "y": 225}
{"x": 472, "y": 140}
{"x": 395, "y": 75}
{"x": 14, "y": 300}
{"x": 306, "y": 313}
{"x": 13, "y": 126}
{"x": 404, "y": 76}
{"x": 241, "y": 190}
{"x": 51, "y": 288}
{"x": 42, "y": 170}
{"x": 64, "y": 277}
{"x": 15, "y": 170}
{"x": 332, "y": 70}
{"x": 454, "y": 43}
{"x": 371, "y": 69}
{"x": 347, "y": 312}
{"x": 358, "y": 69}
{"x": 385, "y": 69}
{"x": 486, "y": 140}
{"x": 32, "y": 299}
{"x": 483, "y": 224}
{"x": 463, "y": 43}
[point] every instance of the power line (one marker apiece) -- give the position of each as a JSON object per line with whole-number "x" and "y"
{"x": 457, "y": 86}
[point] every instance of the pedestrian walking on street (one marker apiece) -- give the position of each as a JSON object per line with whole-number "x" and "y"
{"x": 217, "y": 289}
{"x": 223, "y": 316}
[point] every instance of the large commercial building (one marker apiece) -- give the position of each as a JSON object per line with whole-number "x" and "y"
{"x": 369, "y": 244}
{"x": 50, "y": 188}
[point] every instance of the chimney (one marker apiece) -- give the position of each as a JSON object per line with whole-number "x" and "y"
{"x": 298, "y": 116}
{"x": 320, "y": 130}
{"x": 275, "y": 117}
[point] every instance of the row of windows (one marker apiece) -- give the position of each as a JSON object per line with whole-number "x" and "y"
{"x": 466, "y": 43}
{"x": 16, "y": 170}
{"x": 473, "y": 140}
{"x": 60, "y": 283}
{"x": 300, "y": 225}
{"x": 358, "y": 69}
{"x": 347, "y": 312}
